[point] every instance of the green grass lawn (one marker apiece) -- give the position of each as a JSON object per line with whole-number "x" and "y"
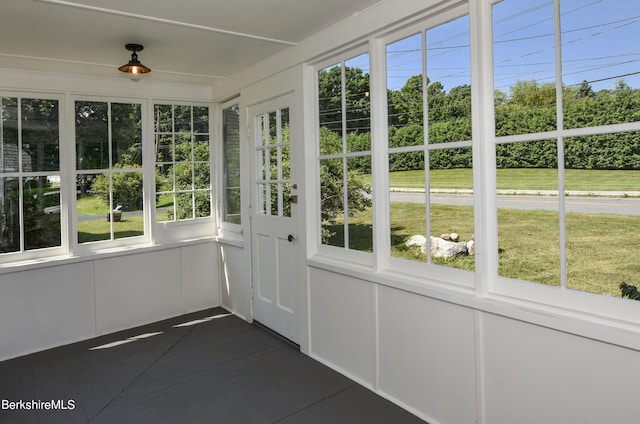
{"x": 96, "y": 230}
{"x": 522, "y": 179}
{"x": 100, "y": 229}
{"x": 528, "y": 243}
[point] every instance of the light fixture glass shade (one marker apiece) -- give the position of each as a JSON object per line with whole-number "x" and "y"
{"x": 134, "y": 66}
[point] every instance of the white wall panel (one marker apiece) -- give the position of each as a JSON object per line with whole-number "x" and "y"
{"x": 427, "y": 356}
{"x": 200, "y": 277}
{"x": 235, "y": 280}
{"x": 137, "y": 289}
{"x": 536, "y": 375}
{"x": 342, "y": 323}
{"x": 45, "y": 307}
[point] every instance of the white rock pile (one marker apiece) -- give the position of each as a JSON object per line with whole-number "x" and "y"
{"x": 446, "y": 246}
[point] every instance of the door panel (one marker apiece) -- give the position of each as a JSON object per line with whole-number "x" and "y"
{"x": 273, "y": 222}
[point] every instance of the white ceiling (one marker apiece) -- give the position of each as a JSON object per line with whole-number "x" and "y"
{"x": 195, "y": 41}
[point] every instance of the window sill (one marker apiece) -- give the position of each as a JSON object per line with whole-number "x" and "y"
{"x": 26, "y": 265}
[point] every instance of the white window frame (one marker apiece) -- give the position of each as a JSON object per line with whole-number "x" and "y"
{"x": 527, "y": 293}
{"x": 147, "y": 186}
{"x": 64, "y": 149}
{"x": 335, "y": 252}
{"x": 194, "y": 228}
{"x": 229, "y": 230}
{"x": 438, "y": 274}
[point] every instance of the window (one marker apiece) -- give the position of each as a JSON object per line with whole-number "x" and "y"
{"x": 231, "y": 166}
{"x": 109, "y": 175}
{"x": 273, "y": 154}
{"x": 567, "y": 143}
{"x": 429, "y": 143}
{"x": 345, "y": 155}
{"x": 29, "y": 175}
{"x": 183, "y": 167}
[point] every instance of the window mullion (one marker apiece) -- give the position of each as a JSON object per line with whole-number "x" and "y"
{"x": 560, "y": 145}
{"x": 20, "y": 176}
{"x": 345, "y": 168}
{"x": 483, "y": 142}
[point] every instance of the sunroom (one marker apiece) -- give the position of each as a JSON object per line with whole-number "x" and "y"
{"x": 437, "y": 198}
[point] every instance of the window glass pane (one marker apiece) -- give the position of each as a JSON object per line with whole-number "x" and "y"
{"x": 202, "y": 203}
{"x": 273, "y": 163}
{"x": 9, "y": 142}
{"x": 92, "y": 135}
{"x": 128, "y": 218}
{"x": 449, "y": 89}
{"x": 231, "y": 152}
{"x": 164, "y": 148}
{"x": 358, "y": 105}
{"x": 286, "y": 201}
{"x": 163, "y": 116}
{"x": 200, "y": 119}
{"x": 602, "y": 230}
{"x": 330, "y": 109}
{"x": 183, "y": 148}
{"x": 359, "y": 203}
{"x": 284, "y": 124}
{"x": 599, "y": 69}
{"x": 274, "y": 196}
{"x": 183, "y": 152}
{"x": 404, "y": 84}
{"x": 93, "y": 202}
{"x": 41, "y": 203}
{"x": 407, "y": 205}
{"x": 524, "y": 66}
{"x": 182, "y": 119}
{"x": 262, "y": 167}
{"x": 285, "y": 152}
{"x": 9, "y": 215}
{"x": 29, "y": 204}
{"x": 262, "y": 199}
{"x": 528, "y": 211}
{"x": 451, "y": 208}
{"x": 262, "y": 135}
{"x": 332, "y": 201}
{"x": 109, "y": 204}
{"x": 184, "y": 176}
{"x": 40, "y": 135}
{"x": 126, "y": 134}
{"x": 202, "y": 175}
{"x": 184, "y": 206}
{"x": 201, "y": 148}
{"x": 165, "y": 207}
{"x": 273, "y": 127}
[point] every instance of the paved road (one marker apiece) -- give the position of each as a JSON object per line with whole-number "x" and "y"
{"x": 584, "y": 204}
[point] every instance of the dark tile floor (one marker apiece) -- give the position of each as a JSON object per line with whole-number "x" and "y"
{"x": 214, "y": 369}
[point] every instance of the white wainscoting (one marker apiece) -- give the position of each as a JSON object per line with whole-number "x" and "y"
{"x": 65, "y": 301}
{"x": 454, "y": 364}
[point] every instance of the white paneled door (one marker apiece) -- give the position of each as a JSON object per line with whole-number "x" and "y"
{"x": 274, "y": 243}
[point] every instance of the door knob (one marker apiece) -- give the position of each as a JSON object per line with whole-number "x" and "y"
{"x": 290, "y": 237}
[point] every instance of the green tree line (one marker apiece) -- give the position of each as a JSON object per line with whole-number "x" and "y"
{"x": 530, "y": 107}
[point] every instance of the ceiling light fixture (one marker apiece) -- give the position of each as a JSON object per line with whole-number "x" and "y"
{"x": 134, "y": 67}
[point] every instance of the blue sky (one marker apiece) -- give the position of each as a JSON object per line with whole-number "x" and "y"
{"x": 600, "y": 44}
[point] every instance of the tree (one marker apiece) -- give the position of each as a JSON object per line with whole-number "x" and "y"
{"x": 357, "y": 99}
{"x": 531, "y": 94}
{"x": 126, "y": 188}
{"x": 332, "y": 186}
{"x": 585, "y": 90}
